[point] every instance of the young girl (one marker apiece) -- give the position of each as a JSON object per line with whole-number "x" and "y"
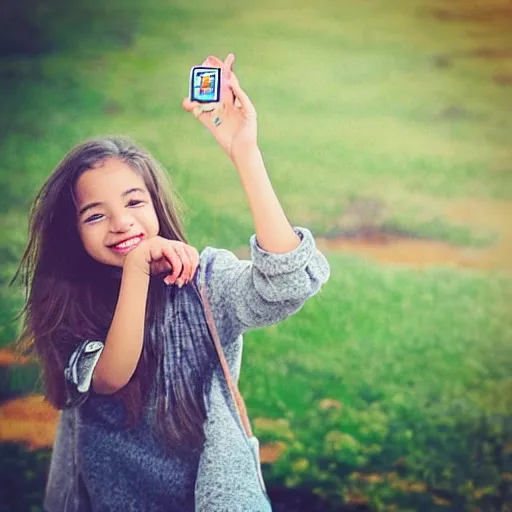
{"x": 115, "y": 315}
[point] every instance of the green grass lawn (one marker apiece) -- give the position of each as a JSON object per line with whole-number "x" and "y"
{"x": 393, "y": 103}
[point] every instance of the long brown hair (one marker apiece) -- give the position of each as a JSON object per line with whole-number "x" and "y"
{"x": 70, "y": 297}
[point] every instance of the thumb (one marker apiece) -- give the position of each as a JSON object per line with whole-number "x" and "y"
{"x": 193, "y": 106}
{"x": 189, "y": 105}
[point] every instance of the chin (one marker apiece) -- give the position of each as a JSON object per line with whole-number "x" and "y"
{"x": 109, "y": 261}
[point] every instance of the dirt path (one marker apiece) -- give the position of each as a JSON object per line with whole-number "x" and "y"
{"x": 7, "y": 358}
{"x": 28, "y": 420}
{"x": 392, "y": 249}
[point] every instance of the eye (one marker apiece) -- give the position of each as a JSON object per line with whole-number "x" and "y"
{"x": 92, "y": 218}
{"x": 134, "y": 202}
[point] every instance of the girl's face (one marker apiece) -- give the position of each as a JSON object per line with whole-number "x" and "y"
{"x": 114, "y": 211}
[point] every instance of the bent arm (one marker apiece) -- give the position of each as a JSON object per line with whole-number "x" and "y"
{"x": 264, "y": 291}
{"x": 123, "y": 345}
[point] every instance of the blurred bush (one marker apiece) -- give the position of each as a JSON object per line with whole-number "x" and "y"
{"x": 456, "y": 457}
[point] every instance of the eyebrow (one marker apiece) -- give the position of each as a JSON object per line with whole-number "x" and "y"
{"x": 99, "y": 203}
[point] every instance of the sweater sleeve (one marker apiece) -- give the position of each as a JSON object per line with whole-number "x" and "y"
{"x": 265, "y": 290}
{"x": 79, "y": 371}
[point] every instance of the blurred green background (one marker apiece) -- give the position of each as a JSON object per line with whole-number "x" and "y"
{"x": 386, "y": 130}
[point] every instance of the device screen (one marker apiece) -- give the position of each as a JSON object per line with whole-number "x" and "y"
{"x": 205, "y": 84}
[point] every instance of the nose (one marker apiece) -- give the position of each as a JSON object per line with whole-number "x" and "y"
{"x": 120, "y": 223}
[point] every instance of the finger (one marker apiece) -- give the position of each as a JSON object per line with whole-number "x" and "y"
{"x": 158, "y": 263}
{"x": 241, "y": 96}
{"x": 199, "y": 108}
{"x": 228, "y": 98}
{"x": 187, "y": 264}
{"x": 212, "y": 62}
{"x": 193, "y": 106}
{"x": 189, "y": 105}
{"x": 227, "y": 95}
{"x": 189, "y": 268}
{"x": 194, "y": 260}
{"x": 173, "y": 258}
{"x": 197, "y": 261}
{"x": 228, "y": 64}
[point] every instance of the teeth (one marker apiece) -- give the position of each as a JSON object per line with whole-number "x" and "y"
{"x": 128, "y": 243}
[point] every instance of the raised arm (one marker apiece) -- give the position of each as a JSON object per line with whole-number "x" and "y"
{"x": 234, "y": 125}
{"x": 285, "y": 267}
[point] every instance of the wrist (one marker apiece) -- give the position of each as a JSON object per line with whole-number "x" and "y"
{"x": 249, "y": 158}
{"x": 136, "y": 266}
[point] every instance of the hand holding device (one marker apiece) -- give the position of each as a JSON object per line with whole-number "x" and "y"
{"x": 231, "y": 119}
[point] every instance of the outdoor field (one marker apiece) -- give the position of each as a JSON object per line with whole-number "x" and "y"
{"x": 386, "y": 129}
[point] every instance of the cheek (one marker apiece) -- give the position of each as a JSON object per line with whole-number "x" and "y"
{"x": 87, "y": 238}
{"x": 153, "y": 224}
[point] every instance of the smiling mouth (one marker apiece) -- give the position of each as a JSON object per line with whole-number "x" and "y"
{"x": 127, "y": 244}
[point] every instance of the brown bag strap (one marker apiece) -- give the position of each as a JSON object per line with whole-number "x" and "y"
{"x": 235, "y": 393}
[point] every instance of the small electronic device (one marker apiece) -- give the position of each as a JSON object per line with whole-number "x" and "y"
{"x": 205, "y": 84}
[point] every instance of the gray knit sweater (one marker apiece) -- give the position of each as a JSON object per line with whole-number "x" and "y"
{"x": 126, "y": 469}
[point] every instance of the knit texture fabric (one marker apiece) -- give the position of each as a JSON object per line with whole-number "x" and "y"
{"x": 126, "y": 469}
